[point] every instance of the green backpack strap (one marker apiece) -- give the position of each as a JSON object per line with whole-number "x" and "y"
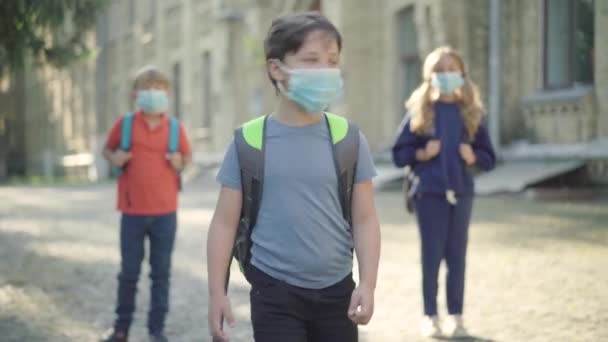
{"x": 345, "y": 146}
{"x": 249, "y": 143}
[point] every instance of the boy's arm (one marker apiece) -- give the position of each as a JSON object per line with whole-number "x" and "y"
{"x": 110, "y": 151}
{"x": 185, "y": 148}
{"x": 366, "y": 230}
{"x": 220, "y": 238}
{"x": 366, "y": 233}
{"x": 180, "y": 159}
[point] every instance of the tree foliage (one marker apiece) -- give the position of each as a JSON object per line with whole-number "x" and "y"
{"x": 52, "y": 31}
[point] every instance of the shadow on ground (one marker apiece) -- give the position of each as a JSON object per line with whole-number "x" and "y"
{"x": 58, "y": 282}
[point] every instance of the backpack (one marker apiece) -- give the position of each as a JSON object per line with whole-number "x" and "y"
{"x": 410, "y": 179}
{"x": 249, "y": 140}
{"x": 410, "y": 186}
{"x": 127, "y": 129}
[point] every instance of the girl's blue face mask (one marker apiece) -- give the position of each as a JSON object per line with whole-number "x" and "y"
{"x": 313, "y": 89}
{"x": 447, "y": 82}
{"x": 152, "y": 101}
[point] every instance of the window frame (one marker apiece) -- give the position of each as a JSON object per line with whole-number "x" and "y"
{"x": 571, "y": 70}
{"x": 406, "y": 58}
{"x": 176, "y": 74}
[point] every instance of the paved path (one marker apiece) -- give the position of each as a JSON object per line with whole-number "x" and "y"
{"x": 536, "y": 271}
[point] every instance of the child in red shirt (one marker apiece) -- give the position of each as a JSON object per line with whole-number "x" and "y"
{"x": 147, "y": 198}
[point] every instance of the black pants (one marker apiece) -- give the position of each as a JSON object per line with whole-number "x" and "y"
{"x": 281, "y": 312}
{"x": 444, "y": 234}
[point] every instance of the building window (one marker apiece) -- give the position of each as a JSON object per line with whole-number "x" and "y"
{"x": 177, "y": 80}
{"x": 207, "y": 90}
{"x": 569, "y": 43}
{"x": 409, "y": 58}
{"x": 152, "y": 8}
{"x": 114, "y": 17}
{"x": 131, "y": 12}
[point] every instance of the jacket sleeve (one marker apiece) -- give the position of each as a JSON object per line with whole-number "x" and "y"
{"x": 484, "y": 152}
{"x": 406, "y": 144}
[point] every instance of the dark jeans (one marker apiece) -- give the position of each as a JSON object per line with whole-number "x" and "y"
{"x": 133, "y": 231}
{"x": 444, "y": 234}
{"x": 281, "y": 312}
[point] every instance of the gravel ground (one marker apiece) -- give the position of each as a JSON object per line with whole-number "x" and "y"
{"x": 536, "y": 270}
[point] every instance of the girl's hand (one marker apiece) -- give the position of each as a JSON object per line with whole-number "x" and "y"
{"x": 467, "y": 154}
{"x": 432, "y": 149}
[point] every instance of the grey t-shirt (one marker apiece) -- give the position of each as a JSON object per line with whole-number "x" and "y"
{"x": 300, "y": 236}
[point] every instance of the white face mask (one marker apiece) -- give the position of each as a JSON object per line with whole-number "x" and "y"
{"x": 152, "y": 101}
{"x": 447, "y": 82}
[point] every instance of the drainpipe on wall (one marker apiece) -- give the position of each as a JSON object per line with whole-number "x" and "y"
{"x": 231, "y": 18}
{"x": 101, "y": 81}
{"x": 494, "y": 74}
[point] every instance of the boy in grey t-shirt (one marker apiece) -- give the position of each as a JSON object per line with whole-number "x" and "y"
{"x": 302, "y": 246}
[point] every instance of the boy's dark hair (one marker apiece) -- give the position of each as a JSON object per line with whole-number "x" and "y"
{"x": 288, "y": 33}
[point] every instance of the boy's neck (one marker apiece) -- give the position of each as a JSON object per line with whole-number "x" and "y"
{"x": 153, "y": 120}
{"x": 289, "y": 113}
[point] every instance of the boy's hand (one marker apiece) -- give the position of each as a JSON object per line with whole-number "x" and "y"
{"x": 432, "y": 149}
{"x": 361, "y": 306}
{"x": 176, "y": 160}
{"x": 120, "y": 158}
{"x": 219, "y": 309}
{"x": 467, "y": 154}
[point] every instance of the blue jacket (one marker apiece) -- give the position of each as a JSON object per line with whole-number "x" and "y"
{"x": 447, "y": 171}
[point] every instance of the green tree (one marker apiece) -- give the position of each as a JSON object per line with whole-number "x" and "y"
{"x": 51, "y": 31}
{"x": 33, "y": 32}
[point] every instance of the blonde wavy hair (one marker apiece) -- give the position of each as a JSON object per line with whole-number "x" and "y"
{"x": 420, "y": 103}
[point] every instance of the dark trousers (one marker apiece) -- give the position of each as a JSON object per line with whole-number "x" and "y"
{"x": 444, "y": 234}
{"x": 133, "y": 231}
{"x": 281, "y": 312}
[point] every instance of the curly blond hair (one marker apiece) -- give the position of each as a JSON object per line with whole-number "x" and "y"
{"x": 420, "y": 103}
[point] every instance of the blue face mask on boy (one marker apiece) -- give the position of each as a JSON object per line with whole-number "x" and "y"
{"x": 152, "y": 101}
{"x": 447, "y": 82}
{"x": 313, "y": 89}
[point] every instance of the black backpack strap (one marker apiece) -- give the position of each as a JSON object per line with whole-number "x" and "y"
{"x": 249, "y": 143}
{"x": 346, "y": 154}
